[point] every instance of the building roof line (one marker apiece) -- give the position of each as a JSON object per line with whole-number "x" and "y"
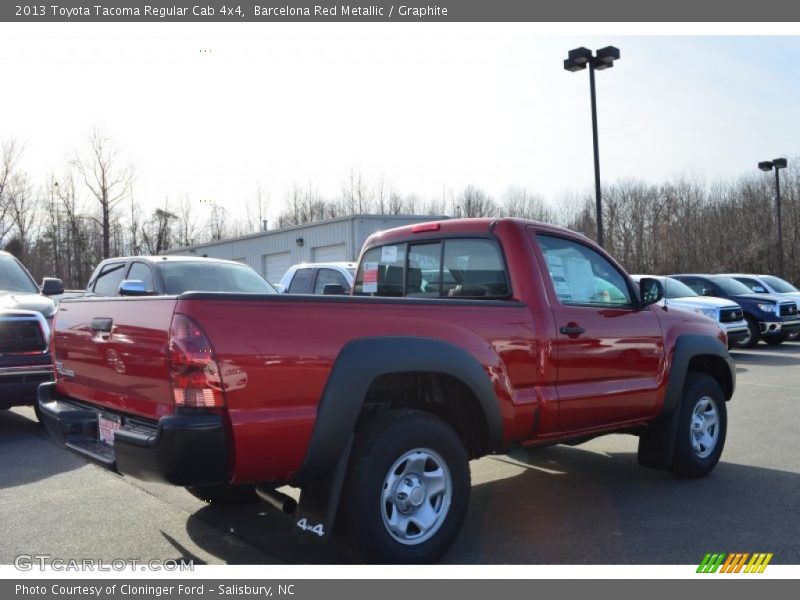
{"x": 248, "y": 236}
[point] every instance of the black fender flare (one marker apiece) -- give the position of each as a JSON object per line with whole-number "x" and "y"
{"x": 688, "y": 346}
{"x": 657, "y": 442}
{"x": 359, "y": 363}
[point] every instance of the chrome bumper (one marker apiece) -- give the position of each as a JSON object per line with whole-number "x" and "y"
{"x": 26, "y": 370}
{"x": 734, "y": 327}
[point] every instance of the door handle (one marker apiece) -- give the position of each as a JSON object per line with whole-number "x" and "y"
{"x": 572, "y": 330}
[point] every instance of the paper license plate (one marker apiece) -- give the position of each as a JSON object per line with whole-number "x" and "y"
{"x": 107, "y": 424}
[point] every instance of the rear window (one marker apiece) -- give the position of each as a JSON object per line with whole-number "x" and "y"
{"x": 452, "y": 268}
{"x": 200, "y": 276}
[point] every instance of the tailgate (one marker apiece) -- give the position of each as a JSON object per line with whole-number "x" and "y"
{"x": 113, "y": 353}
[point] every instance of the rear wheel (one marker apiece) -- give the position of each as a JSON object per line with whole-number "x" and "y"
{"x": 702, "y": 425}
{"x": 753, "y": 335}
{"x": 407, "y": 490}
{"x": 224, "y": 494}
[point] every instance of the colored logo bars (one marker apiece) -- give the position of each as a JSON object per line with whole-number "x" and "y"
{"x": 735, "y": 562}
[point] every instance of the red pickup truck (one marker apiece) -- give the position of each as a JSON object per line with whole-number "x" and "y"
{"x": 461, "y": 338}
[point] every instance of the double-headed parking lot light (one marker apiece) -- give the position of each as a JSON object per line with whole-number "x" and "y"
{"x": 577, "y": 60}
{"x": 769, "y": 165}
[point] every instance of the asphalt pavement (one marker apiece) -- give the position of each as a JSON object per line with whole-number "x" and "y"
{"x": 588, "y": 504}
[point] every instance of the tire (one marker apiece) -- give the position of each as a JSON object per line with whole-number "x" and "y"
{"x": 224, "y": 494}
{"x": 699, "y": 442}
{"x": 776, "y": 340}
{"x": 751, "y": 341}
{"x": 37, "y": 411}
{"x": 383, "y": 514}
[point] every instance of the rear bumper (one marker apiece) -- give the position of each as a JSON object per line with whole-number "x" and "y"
{"x": 18, "y": 383}
{"x": 186, "y": 449}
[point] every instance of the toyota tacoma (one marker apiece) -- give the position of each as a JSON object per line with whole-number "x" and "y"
{"x": 461, "y": 338}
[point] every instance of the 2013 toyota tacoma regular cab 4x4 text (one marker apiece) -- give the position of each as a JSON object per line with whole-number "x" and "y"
{"x": 462, "y": 338}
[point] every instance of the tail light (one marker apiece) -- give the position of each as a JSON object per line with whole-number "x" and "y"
{"x": 193, "y": 366}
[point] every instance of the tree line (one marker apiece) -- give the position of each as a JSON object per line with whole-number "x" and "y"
{"x": 87, "y": 210}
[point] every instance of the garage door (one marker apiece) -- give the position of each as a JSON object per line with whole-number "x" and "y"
{"x": 329, "y": 253}
{"x": 275, "y": 265}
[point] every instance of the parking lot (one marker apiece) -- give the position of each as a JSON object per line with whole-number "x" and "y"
{"x": 586, "y": 504}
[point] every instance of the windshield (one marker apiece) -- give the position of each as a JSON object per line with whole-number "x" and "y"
{"x": 677, "y": 289}
{"x": 14, "y": 278}
{"x": 731, "y": 286}
{"x": 779, "y": 285}
{"x": 203, "y": 276}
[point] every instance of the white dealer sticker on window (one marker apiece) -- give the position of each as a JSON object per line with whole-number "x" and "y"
{"x": 580, "y": 277}
{"x": 370, "y": 278}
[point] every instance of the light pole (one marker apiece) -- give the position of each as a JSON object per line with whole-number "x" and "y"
{"x": 577, "y": 60}
{"x": 777, "y": 164}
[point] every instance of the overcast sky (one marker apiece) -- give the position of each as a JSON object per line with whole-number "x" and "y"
{"x": 428, "y": 107}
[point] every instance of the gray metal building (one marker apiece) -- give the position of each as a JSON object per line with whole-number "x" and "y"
{"x": 271, "y": 253}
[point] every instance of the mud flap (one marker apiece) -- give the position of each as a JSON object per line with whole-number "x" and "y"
{"x": 657, "y": 442}
{"x": 319, "y": 502}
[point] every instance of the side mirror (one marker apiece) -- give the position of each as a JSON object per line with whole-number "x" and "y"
{"x": 650, "y": 291}
{"x": 334, "y": 289}
{"x": 133, "y": 287}
{"x": 708, "y": 292}
{"x": 52, "y": 286}
{"x": 759, "y": 289}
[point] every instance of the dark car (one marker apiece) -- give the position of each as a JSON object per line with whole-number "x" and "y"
{"x": 172, "y": 275}
{"x": 26, "y": 313}
{"x": 770, "y": 317}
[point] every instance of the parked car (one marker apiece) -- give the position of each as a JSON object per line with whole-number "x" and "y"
{"x": 26, "y": 312}
{"x": 172, "y": 275}
{"x": 728, "y": 314}
{"x": 769, "y": 284}
{"x": 770, "y": 317}
{"x": 462, "y": 338}
{"x": 312, "y": 278}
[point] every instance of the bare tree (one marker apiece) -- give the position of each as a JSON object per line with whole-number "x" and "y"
{"x": 187, "y": 229}
{"x": 474, "y": 202}
{"x": 217, "y": 223}
{"x": 108, "y": 179}
{"x": 521, "y": 202}
{"x": 157, "y": 232}
{"x": 10, "y": 151}
{"x": 22, "y": 204}
{"x": 257, "y": 211}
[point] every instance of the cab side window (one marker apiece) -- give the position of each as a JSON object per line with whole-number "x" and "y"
{"x": 329, "y": 276}
{"x": 301, "y": 281}
{"x": 141, "y": 272}
{"x": 581, "y": 276}
{"x": 752, "y": 284}
{"x": 696, "y": 285}
{"x": 107, "y": 282}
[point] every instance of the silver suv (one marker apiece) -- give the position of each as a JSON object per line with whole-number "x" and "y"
{"x": 728, "y": 314}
